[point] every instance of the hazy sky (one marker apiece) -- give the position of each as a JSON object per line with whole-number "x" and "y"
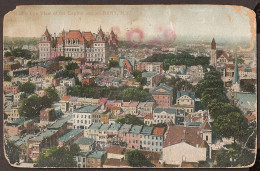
{"x": 149, "y": 22}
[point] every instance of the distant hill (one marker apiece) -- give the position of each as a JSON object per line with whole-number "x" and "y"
{"x": 11, "y": 42}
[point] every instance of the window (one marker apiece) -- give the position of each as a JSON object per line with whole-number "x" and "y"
{"x": 207, "y": 138}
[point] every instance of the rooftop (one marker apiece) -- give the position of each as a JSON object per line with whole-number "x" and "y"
{"x": 85, "y": 141}
{"x": 136, "y": 129}
{"x": 60, "y": 123}
{"x": 104, "y": 127}
{"x": 167, "y": 110}
{"x": 158, "y": 131}
{"x": 125, "y": 128}
{"x": 162, "y": 89}
{"x": 95, "y": 126}
{"x": 115, "y": 127}
{"x": 44, "y": 135}
{"x": 70, "y": 134}
{"x": 86, "y": 109}
{"x": 147, "y": 130}
{"x": 97, "y": 154}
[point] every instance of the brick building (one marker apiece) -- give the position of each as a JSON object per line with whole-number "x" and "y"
{"x": 162, "y": 95}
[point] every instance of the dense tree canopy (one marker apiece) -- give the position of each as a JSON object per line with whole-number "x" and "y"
{"x": 136, "y": 159}
{"x": 130, "y": 119}
{"x": 12, "y": 152}
{"x": 247, "y": 87}
{"x": 58, "y": 157}
{"x": 232, "y": 125}
{"x": 122, "y": 93}
{"x": 19, "y": 52}
{"x": 27, "y": 88}
{"x": 31, "y": 106}
{"x": 52, "y": 94}
{"x": 112, "y": 63}
{"x": 7, "y": 77}
{"x": 138, "y": 77}
{"x": 183, "y": 58}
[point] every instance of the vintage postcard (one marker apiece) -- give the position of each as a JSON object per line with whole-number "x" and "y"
{"x": 130, "y": 86}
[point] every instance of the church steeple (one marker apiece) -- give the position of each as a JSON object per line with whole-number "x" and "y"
{"x": 236, "y": 82}
{"x": 213, "y": 44}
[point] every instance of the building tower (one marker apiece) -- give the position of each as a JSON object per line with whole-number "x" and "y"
{"x": 45, "y": 45}
{"x": 213, "y": 56}
{"x": 236, "y": 82}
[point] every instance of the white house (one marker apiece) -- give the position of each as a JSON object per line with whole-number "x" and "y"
{"x": 184, "y": 144}
{"x": 68, "y": 82}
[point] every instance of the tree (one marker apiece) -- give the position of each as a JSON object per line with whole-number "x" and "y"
{"x": 212, "y": 94}
{"x": 232, "y": 125}
{"x": 72, "y": 66}
{"x": 218, "y": 108}
{"x": 31, "y": 107}
{"x": 203, "y": 164}
{"x": 58, "y": 157}
{"x": 27, "y": 88}
{"x": 130, "y": 119}
{"x": 223, "y": 159}
{"x": 12, "y": 152}
{"x": 7, "y": 77}
{"x": 112, "y": 63}
{"x": 52, "y": 94}
{"x": 137, "y": 159}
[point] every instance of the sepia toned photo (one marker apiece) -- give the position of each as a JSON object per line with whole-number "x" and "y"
{"x": 130, "y": 86}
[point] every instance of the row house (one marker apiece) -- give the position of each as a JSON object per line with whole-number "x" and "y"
{"x": 47, "y": 138}
{"x": 10, "y": 87}
{"x": 85, "y": 144}
{"x": 19, "y": 72}
{"x": 94, "y": 159}
{"x": 19, "y": 96}
{"x": 10, "y": 66}
{"x": 164, "y": 115}
{"x": 130, "y": 107}
{"x": 146, "y": 108}
{"x": 43, "y": 69}
{"x": 195, "y": 72}
{"x": 19, "y": 127}
{"x": 12, "y": 111}
{"x": 83, "y": 117}
{"x": 150, "y": 67}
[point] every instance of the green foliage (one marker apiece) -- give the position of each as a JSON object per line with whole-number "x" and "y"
{"x": 137, "y": 159}
{"x": 252, "y": 141}
{"x": 7, "y": 77}
{"x": 203, "y": 164}
{"x": 63, "y": 58}
{"x": 27, "y": 88}
{"x": 31, "y": 107}
{"x": 52, "y": 94}
{"x": 217, "y": 108}
{"x": 19, "y": 52}
{"x": 112, "y": 63}
{"x": 124, "y": 93}
{"x": 58, "y": 157}
{"x": 232, "y": 125}
{"x": 130, "y": 119}
{"x": 72, "y": 66}
{"x": 12, "y": 152}
{"x": 246, "y": 158}
{"x": 223, "y": 159}
{"x": 183, "y": 58}
{"x": 138, "y": 76}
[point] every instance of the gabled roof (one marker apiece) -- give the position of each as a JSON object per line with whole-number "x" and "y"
{"x": 115, "y": 149}
{"x": 104, "y": 127}
{"x": 60, "y": 123}
{"x": 206, "y": 125}
{"x": 162, "y": 89}
{"x": 95, "y": 126}
{"x": 147, "y": 130}
{"x": 70, "y": 135}
{"x": 85, "y": 141}
{"x": 115, "y": 127}
{"x": 167, "y": 110}
{"x": 88, "y": 36}
{"x": 191, "y": 94}
{"x": 220, "y": 53}
{"x": 158, "y": 131}
{"x": 75, "y": 35}
{"x": 125, "y": 128}
{"x": 96, "y": 154}
{"x": 179, "y": 133}
{"x": 136, "y": 129}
